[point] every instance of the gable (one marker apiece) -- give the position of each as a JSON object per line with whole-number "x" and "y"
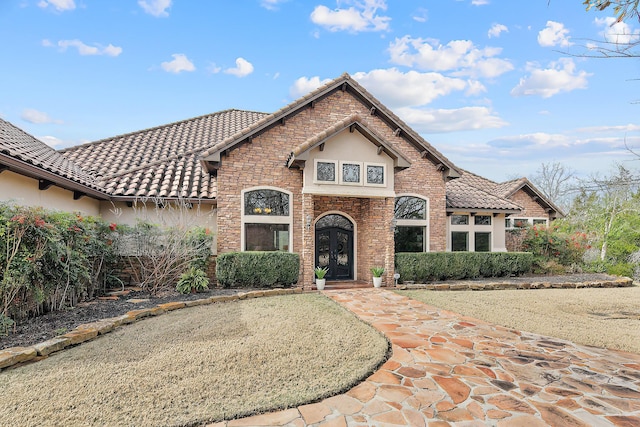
{"x": 213, "y": 156}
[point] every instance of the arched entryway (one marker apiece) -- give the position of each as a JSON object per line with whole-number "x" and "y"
{"x": 334, "y": 246}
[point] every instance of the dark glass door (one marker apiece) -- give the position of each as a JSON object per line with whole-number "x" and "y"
{"x": 334, "y": 246}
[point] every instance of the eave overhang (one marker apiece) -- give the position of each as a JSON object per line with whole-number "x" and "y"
{"x": 212, "y": 158}
{"x": 299, "y": 156}
{"x": 46, "y": 178}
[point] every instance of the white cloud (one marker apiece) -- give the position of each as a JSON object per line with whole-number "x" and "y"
{"x": 38, "y": 117}
{"x": 157, "y": 8}
{"x": 421, "y": 15}
{"x": 243, "y": 68}
{"x": 606, "y": 129}
{"x": 459, "y": 56}
{"x": 450, "y": 120}
{"x": 51, "y": 141}
{"x": 213, "y": 68}
{"x": 179, "y": 63}
{"x": 304, "y": 85}
{"x": 479, "y": 2}
{"x": 619, "y": 33}
{"x": 397, "y": 89}
{"x": 554, "y": 34}
{"x": 84, "y": 49}
{"x": 496, "y": 29}
{"x": 59, "y": 5}
{"x": 362, "y": 16}
{"x": 271, "y": 4}
{"x": 561, "y": 76}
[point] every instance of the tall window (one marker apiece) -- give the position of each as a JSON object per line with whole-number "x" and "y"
{"x": 266, "y": 220}
{"x": 412, "y": 219}
{"x": 459, "y": 241}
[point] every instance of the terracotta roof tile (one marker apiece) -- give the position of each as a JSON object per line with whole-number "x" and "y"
{"x": 161, "y": 161}
{"x": 19, "y": 145}
{"x": 461, "y": 195}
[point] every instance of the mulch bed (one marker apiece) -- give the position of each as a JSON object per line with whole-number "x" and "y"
{"x": 32, "y": 331}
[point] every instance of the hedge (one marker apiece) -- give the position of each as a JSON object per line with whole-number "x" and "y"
{"x": 431, "y": 266}
{"x": 257, "y": 269}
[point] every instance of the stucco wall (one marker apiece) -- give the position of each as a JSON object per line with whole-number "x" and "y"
{"x": 24, "y": 191}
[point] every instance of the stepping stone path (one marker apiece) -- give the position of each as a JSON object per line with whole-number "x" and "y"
{"x": 450, "y": 370}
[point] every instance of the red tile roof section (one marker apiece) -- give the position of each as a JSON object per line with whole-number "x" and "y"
{"x": 162, "y": 161}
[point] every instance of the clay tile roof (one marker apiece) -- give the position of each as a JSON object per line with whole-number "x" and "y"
{"x": 461, "y": 195}
{"x": 162, "y": 161}
{"x": 27, "y": 152}
{"x": 337, "y": 127}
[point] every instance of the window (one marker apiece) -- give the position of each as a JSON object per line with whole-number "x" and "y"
{"x": 326, "y": 172}
{"x": 266, "y": 220}
{"x": 411, "y": 214}
{"x": 525, "y": 222}
{"x": 482, "y": 242}
{"x": 376, "y": 175}
{"x": 459, "y": 219}
{"x": 266, "y": 237}
{"x": 537, "y": 221}
{"x": 459, "y": 241}
{"x": 351, "y": 173}
{"x": 482, "y": 220}
{"x": 520, "y": 222}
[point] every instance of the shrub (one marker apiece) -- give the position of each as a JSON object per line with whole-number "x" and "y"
{"x": 549, "y": 244}
{"x": 49, "y": 260}
{"x": 192, "y": 280}
{"x": 257, "y": 269}
{"x": 430, "y": 266}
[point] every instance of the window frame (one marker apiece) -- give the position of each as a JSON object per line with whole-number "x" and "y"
{"x": 336, "y": 172}
{"x": 417, "y": 223}
{"x": 366, "y": 174}
{"x": 264, "y": 219}
{"x": 341, "y": 173}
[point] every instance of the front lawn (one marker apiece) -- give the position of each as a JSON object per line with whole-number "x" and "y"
{"x": 602, "y": 317}
{"x": 198, "y": 365}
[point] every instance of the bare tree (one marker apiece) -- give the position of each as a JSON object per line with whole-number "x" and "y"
{"x": 554, "y": 179}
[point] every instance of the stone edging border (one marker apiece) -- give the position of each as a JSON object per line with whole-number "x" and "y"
{"x": 16, "y": 355}
{"x": 621, "y": 282}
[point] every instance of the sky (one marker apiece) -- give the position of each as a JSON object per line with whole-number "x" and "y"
{"x": 498, "y": 86}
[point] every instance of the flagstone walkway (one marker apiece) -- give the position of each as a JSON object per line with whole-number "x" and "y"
{"x": 450, "y": 370}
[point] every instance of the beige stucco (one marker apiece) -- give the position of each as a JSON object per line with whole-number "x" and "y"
{"x": 350, "y": 147}
{"x": 24, "y": 191}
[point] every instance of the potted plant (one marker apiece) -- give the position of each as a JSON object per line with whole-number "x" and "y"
{"x": 320, "y": 280}
{"x": 377, "y": 276}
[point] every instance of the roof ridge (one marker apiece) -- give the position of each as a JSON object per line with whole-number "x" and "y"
{"x": 289, "y": 107}
{"x": 127, "y": 134}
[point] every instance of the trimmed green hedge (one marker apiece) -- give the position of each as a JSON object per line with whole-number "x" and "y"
{"x": 429, "y": 266}
{"x": 257, "y": 269}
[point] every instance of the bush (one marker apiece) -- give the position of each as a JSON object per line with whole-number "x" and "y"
{"x": 192, "y": 280}
{"x": 257, "y": 269}
{"x": 430, "y": 266}
{"x": 551, "y": 247}
{"x": 49, "y": 260}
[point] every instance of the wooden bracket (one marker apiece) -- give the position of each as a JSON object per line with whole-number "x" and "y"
{"x": 44, "y": 184}
{"x": 77, "y": 195}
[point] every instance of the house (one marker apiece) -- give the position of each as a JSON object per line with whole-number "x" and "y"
{"x": 334, "y": 176}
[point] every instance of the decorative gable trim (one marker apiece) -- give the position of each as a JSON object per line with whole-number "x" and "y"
{"x": 212, "y": 157}
{"x": 300, "y": 154}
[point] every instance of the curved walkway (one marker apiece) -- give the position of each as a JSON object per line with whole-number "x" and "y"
{"x": 449, "y": 370}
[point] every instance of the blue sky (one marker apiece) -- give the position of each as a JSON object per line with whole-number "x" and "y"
{"x": 493, "y": 84}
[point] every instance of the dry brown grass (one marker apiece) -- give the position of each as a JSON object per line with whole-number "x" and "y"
{"x": 197, "y": 365}
{"x": 599, "y": 317}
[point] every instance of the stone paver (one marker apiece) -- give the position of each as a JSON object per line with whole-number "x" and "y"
{"x": 450, "y": 370}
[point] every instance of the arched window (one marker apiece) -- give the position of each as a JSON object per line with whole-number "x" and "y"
{"x": 266, "y": 220}
{"x": 412, "y": 224}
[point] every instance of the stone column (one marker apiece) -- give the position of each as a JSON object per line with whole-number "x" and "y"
{"x": 308, "y": 250}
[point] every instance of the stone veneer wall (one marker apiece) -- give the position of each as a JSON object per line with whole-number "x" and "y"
{"x": 531, "y": 207}
{"x": 262, "y": 163}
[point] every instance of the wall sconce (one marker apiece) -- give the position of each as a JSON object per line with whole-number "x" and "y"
{"x": 394, "y": 222}
{"x": 308, "y": 222}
